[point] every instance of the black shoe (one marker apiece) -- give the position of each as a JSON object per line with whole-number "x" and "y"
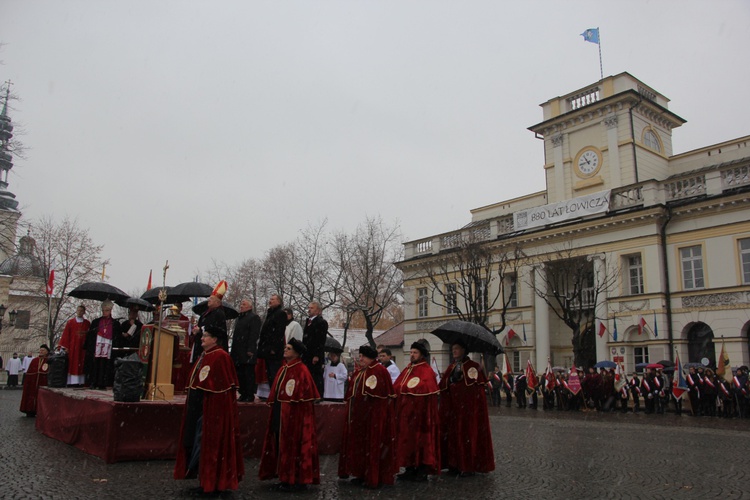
{"x": 465, "y": 474}
{"x": 407, "y": 474}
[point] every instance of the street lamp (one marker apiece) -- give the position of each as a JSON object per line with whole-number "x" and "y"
{"x": 12, "y": 317}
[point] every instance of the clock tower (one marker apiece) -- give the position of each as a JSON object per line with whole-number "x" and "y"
{"x": 615, "y": 132}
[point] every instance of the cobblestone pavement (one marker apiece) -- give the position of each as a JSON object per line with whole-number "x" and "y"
{"x": 539, "y": 454}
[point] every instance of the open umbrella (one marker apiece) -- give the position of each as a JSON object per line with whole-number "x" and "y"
{"x": 692, "y": 365}
{"x": 141, "y": 304}
{"x": 229, "y": 311}
{"x": 98, "y": 290}
{"x": 476, "y": 337}
{"x": 666, "y": 363}
{"x": 640, "y": 366}
{"x": 152, "y": 296}
{"x": 605, "y": 364}
{"x": 655, "y": 366}
{"x": 559, "y": 369}
{"x": 186, "y": 291}
{"x": 333, "y": 345}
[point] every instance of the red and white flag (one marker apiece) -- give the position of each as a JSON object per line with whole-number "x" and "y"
{"x": 550, "y": 376}
{"x": 641, "y": 325}
{"x": 531, "y": 380}
{"x": 601, "y": 329}
{"x": 51, "y": 282}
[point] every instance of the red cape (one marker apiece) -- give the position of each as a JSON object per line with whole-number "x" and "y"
{"x": 417, "y": 420}
{"x": 221, "y": 463}
{"x": 73, "y": 339}
{"x": 293, "y": 455}
{"x": 368, "y": 445}
{"x": 36, "y": 377}
{"x": 466, "y": 439}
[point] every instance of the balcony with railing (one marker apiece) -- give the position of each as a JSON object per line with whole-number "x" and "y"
{"x": 709, "y": 181}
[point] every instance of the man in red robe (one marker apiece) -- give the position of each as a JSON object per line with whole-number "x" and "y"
{"x": 368, "y": 445}
{"x": 466, "y": 440}
{"x": 417, "y": 420}
{"x": 209, "y": 446}
{"x": 36, "y": 377}
{"x": 73, "y": 340}
{"x": 290, "y": 449}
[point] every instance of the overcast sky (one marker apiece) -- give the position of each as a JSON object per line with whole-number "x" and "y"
{"x": 193, "y": 131}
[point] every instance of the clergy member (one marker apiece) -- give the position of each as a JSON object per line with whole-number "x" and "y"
{"x": 417, "y": 421}
{"x": 209, "y": 447}
{"x": 99, "y": 348}
{"x": 466, "y": 440}
{"x": 334, "y": 377}
{"x": 72, "y": 341}
{"x": 213, "y": 317}
{"x": 36, "y": 377}
{"x": 290, "y": 449}
{"x": 368, "y": 445}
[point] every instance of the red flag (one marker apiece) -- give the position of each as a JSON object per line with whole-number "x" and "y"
{"x": 531, "y": 380}
{"x": 549, "y": 376}
{"x": 148, "y": 287}
{"x": 51, "y": 282}
{"x": 641, "y": 325}
{"x": 574, "y": 383}
{"x": 511, "y": 334}
{"x": 601, "y": 329}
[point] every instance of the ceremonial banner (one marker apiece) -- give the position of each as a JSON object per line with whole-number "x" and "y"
{"x": 723, "y": 368}
{"x": 574, "y": 383}
{"x": 553, "y": 213}
{"x": 679, "y": 384}
{"x": 531, "y": 380}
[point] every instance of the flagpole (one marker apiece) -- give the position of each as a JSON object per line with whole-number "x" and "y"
{"x": 601, "y": 68}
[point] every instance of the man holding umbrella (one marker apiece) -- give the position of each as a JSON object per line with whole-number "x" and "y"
{"x": 417, "y": 419}
{"x": 466, "y": 439}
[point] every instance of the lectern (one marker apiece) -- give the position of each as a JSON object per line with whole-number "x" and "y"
{"x": 157, "y": 346}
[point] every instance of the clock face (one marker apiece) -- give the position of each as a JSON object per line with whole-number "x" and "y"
{"x": 589, "y": 161}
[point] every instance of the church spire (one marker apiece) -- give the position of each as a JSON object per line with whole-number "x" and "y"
{"x": 7, "y": 199}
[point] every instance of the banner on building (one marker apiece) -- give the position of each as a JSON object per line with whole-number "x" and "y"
{"x": 559, "y": 212}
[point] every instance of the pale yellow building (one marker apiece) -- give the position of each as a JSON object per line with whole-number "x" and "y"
{"x": 665, "y": 236}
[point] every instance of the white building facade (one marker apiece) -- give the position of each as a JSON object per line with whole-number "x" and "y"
{"x": 664, "y": 240}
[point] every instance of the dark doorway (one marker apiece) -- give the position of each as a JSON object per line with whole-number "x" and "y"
{"x": 701, "y": 344}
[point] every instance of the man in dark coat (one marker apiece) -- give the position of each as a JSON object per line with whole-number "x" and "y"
{"x": 314, "y": 338}
{"x": 245, "y": 348}
{"x": 98, "y": 346}
{"x": 271, "y": 342}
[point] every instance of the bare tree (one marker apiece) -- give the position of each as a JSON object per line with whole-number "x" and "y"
{"x": 277, "y": 271}
{"x": 314, "y": 277}
{"x": 67, "y": 248}
{"x": 370, "y": 282}
{"x": 473, "y": 280}
{"x": 571, "y": 288}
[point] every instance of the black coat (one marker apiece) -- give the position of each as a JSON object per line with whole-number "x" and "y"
{"x": 271, "y": 342}
{"x": 215, "y": 318}
{"x": 314, "y": 338}
{"x": 245, "y": 338}
{"x": 90, "y": 344}
{"x": 134, "y": 341}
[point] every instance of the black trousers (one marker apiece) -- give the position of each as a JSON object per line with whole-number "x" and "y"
{"x": 246, "y": 377}
{"x": 317, "y": 374}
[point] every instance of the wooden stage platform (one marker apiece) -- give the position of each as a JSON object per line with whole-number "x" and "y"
{"x": 94, "y": 423}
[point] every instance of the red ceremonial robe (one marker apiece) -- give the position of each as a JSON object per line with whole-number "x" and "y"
{"x": 368, "y": 445}
{"x": 73, "y": 339}
{"x": 36, "y": 377}
{"x": 292, "y": 455}
{"x": 221, "y": 465}
{"x": 466, "y": 439}
{"x": 417, "y": 420}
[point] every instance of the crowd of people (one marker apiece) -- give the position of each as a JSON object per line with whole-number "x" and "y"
{"x": 707, "y": 393}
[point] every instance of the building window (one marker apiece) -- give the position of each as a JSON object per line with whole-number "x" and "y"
{"x": 451, "y": 306}
{"x": 516, "y": 361}
{"x": 422, "y": 301}
{"x": 23, "y": 320}
{"x": 635, "y": 274}
{"x": 692, "y": 267}
{"x": 482, "y": 295}
{"x": 651, "y": 140}
{"x": 745, "y": 260}
{"x": 640, "y": 355}
{"x": 512, "y": 290}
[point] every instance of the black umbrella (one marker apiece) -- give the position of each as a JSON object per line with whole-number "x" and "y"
{"x": 152, "y": 296}
{"x": 98, "y": 290}
{"x": 229, "y": 311}
{"x": 693, "y": 365}
{"x": 186, "y": 291}
{"x": 141, "y": 304}
{"x": 666, "y": 363}
{"x": 476, "y": 337}
{"x": 333, "y": 345}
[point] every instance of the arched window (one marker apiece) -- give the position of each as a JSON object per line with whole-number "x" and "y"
{"x": 701, "y": 344}
{"x": 651, "y": 140}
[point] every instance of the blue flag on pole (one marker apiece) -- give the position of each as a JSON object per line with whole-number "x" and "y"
{"x": 591, "y": 35}
{"x": 524, "y": 332}
{"x": 614, "y": 330}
